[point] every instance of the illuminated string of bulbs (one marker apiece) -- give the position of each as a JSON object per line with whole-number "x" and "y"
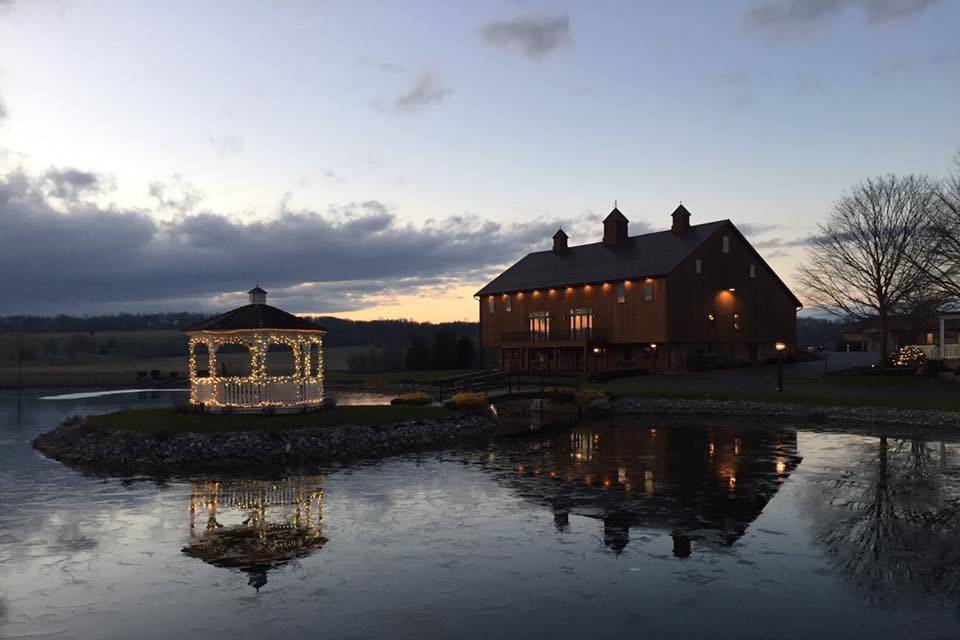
{"x": 300, "y": 344}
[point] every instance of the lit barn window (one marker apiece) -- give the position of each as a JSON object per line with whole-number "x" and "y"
{"x": 621, "y": 292}
{"x": 736, "y": 321}
{"x": 648, "y": 291}
{"x": 539, "y": 326}
{"x": 507, "y": 303}
{"x": 492, "y": 303}
{"x": 699, "y": 266}
{"x": 753, "y": 271}
{"x": 581, "y": 324}
{"x": 726, "y": 244}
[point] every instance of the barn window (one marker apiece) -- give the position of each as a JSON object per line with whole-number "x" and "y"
{"x": 736, "y": 321}
{"x": 492, "y": 303}
{"x": 699, "y": 266}
{"x": 539, "y": 326}
{"x": 621, "y": 292}
{"x": 726, "y": 244}
{"x": 648, "y": 291}
{"x": 581, "y": 323}
{"x": 507, "y": 303}
{"x": 753, "y": 271}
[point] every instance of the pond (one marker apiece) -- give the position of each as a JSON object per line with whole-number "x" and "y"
{"x": 633, "y": 527}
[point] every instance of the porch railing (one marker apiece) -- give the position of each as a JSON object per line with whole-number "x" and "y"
{"x": 933, "y": 352}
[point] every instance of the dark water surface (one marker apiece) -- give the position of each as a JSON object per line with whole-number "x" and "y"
{"x": 627, "y": 530}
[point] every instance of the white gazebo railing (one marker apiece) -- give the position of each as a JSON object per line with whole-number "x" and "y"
{"x": 244, "y": 393}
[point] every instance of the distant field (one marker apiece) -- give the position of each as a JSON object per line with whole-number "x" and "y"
{"x": 113, "y": 358}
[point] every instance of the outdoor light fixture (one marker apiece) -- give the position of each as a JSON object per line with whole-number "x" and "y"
{"x": 596, "y": 349}
{"x": 653, "y": 345}
{"x": 732, "y": 289}
{"x": 781, "y": 347}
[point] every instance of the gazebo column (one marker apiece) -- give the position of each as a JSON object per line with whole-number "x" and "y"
{"x": 211, "y": 358}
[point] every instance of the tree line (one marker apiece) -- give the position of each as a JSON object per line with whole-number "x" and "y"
{"x": 890, "y": 246}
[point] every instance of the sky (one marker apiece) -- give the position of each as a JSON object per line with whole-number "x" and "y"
{"x": 385, "y": 160}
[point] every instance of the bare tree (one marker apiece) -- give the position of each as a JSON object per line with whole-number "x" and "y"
{"x": 945, "y": 231}
{"x": 873, "y": 255}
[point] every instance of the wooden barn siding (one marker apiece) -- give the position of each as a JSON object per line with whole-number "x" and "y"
{"x": 767, "y": 312}
{"x": 632, "y": 321}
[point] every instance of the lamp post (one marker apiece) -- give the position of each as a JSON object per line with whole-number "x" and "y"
{"x": 781, "y": 347}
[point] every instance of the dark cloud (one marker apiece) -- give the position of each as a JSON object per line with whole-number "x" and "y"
{"x": 804, "y": 13}
{"x": 87, "y": 258}
{"x": 428, "y": 90}
{"x": 71, "y": 184}
{"x": 175, "y": 195}
{"x": 534, "y": 37}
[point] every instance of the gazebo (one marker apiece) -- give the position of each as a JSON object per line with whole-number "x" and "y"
{"x": 255, "y": 330}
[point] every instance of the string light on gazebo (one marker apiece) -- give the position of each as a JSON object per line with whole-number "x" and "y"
{"x": 256, "y": 327}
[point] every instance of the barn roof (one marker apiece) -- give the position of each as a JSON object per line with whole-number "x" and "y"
{"x": 647, "y": 255}
{"x": 255, "y": 316}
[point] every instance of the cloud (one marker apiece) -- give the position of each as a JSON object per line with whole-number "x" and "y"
{"x": 84, "y": 258}
{"x": 782, "y": 243}
{"x": 226, "y": 145}
{"x": 805, "y": 13}
{"x": 3, "y": 106}
{"x": 428, "y": 90}
{"x": 529, "y": 35}
{"x": 71, "y": 184}
{"x": 755, "y": 229}
{"x": 175, "y": 195}
{"x": 382, "y": 66}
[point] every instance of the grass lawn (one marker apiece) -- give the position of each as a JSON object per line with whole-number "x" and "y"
{"x": 905, "y": 392}
{"x": 170, "y": 422}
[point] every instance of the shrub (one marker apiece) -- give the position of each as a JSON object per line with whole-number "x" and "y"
{"x": 909, "y": 356}
{"x": 418, "y": 398}
{"x": 585, "y": 397}
{"x": 468, "y": 401}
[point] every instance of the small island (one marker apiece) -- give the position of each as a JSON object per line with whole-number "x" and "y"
{"x": 263, "y": 416}
{"x": 170, "y": 441}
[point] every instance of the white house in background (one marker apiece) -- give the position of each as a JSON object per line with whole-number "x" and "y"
{"x": 257, "y": 328}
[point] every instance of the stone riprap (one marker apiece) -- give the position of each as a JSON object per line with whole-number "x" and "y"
{"x": 78, "y": 443}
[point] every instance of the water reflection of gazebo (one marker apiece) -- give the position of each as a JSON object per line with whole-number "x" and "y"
{"x": 258, "y": 383}
{"x": 254, "y": 525}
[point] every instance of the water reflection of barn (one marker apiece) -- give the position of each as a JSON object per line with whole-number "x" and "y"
{"x": 254, "y": 525}
{"x": 704, "y": 486}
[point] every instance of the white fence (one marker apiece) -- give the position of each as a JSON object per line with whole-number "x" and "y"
{"x": 248, "y": 394}
{"x": 932, "y": 351}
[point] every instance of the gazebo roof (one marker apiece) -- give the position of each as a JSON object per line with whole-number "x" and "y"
{"x": 255, "y": 316}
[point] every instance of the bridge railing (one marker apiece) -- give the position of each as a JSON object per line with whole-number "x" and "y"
{"x": 507, "y": 383}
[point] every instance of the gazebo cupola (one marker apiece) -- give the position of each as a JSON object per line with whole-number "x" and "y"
{"x": 257, "y": 329}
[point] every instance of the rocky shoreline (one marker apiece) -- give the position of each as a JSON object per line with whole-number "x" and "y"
{"x": 794, "y": 412}
{"x": 79, "y": 444}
